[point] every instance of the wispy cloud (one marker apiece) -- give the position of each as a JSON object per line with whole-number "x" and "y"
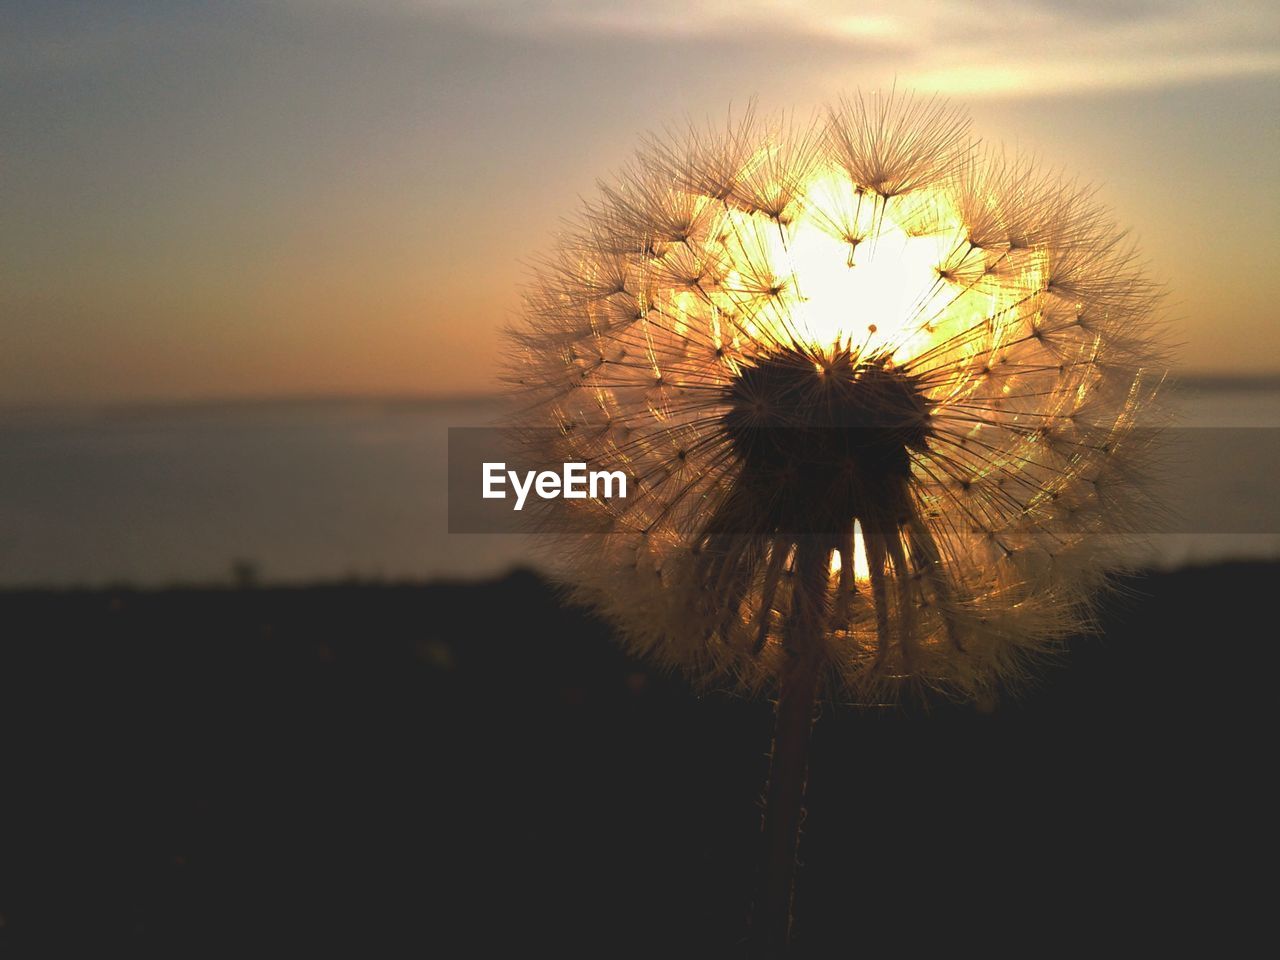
{"x": 1001, "y": 48}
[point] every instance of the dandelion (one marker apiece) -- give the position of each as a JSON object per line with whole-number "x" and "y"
{"x": 874, "y": 389}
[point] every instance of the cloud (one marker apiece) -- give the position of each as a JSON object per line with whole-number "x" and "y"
{"x": 1001, "y": 48}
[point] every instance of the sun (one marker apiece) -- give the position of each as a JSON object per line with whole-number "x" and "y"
{"x": 841, "y": 268}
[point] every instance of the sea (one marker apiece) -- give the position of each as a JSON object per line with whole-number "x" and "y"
{"x": 355, "y": 489}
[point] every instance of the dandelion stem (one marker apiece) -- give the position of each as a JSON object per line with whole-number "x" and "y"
{"x": 788, "y": 768}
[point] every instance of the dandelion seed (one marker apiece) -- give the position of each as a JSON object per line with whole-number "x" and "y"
{"x": 878, "y": 390}
{"x": 859, "y": 322}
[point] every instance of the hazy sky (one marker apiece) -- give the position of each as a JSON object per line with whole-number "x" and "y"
{"x": 313, "y": 196}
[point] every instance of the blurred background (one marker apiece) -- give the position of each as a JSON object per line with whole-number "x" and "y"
{"x": 255, "y": 258}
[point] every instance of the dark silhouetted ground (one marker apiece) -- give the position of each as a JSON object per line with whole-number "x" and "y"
{"x": 450, "y": 770}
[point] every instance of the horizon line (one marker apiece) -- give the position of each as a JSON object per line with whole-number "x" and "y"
{"x": 1204, "y": 379}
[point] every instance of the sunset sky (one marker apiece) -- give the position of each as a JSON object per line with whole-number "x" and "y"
{"x": 337, "y": 196}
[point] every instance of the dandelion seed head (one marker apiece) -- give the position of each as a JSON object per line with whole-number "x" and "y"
{"x": 860, "y": 339}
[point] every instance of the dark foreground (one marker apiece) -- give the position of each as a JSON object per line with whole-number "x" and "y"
{"x": 453, "y": 770}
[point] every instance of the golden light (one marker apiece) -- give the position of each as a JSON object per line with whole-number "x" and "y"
{"x": 861, "y": 568}
{"x": 844, "y": 267}
{"x": 844, "y": 289}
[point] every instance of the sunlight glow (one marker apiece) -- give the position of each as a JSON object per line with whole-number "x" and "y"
{"x": 849, "y": 268}
{"x": 892, "y": 276}
{"x": 861, "y": 569}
